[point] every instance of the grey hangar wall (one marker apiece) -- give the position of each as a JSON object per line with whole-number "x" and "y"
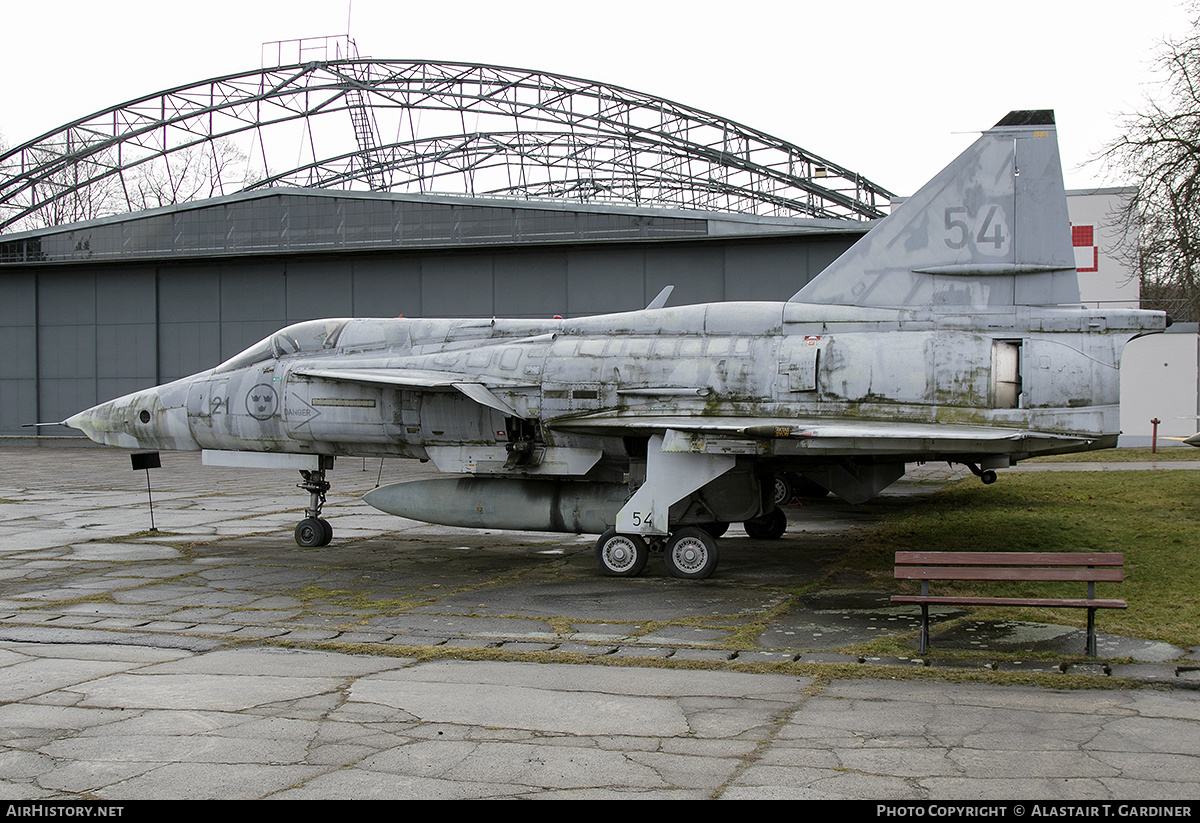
{"x": 80, "y": 332}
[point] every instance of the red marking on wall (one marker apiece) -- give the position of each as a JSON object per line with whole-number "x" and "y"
{"x": 1087, "y": 253}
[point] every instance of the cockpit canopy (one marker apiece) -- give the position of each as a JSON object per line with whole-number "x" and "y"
{"x": 309, "y": 336}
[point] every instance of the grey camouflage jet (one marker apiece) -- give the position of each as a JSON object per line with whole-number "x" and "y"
{"x": 952, "y": 331}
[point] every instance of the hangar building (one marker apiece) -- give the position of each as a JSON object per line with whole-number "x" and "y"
{"x": 100, "y": 309}
{"x": 159, "y": 237}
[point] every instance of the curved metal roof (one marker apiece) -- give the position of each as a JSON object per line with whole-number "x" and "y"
{"x": 417, "y": 127}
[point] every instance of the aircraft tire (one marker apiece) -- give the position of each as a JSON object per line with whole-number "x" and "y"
{"x": 691, "y": 554}
{"x": 784, "y": 491}
{"x": 621, "y": 555}
{"x": 770, "y": 526}
{"x": 310, "y": 533}
{"x": 328, "y": 530}
{"x": 716, "y": 528}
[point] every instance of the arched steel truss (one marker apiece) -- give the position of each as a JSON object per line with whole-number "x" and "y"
{"x": 417, "y": 127}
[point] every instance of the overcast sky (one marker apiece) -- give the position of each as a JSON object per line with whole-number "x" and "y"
{"x": 892, "y": 90}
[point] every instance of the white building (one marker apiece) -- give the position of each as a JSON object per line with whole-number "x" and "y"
{"x": 1160, "y": 374}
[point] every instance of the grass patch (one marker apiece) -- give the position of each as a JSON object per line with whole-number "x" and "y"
{"x": 102, "y": 597}
{"x": 1165, "y": 454}
{"x": 1152, "y": 517}
{"x": 820, "y": 673}
{"x": 353, "y": 602}
{"x": 142, "y": 535}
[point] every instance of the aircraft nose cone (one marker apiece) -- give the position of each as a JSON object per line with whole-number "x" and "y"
{"x": 136, "y": 421}
{"x": 90, "y": 421}
{"x": 111, "y": 423}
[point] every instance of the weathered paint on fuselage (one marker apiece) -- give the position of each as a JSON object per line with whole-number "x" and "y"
{"x": 763, "y": 361}
{"x": 936, "y": 336}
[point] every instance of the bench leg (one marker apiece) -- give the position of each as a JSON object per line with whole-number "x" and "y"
{"x": 924, "y": 647}
{"x": 1091, "y": 633}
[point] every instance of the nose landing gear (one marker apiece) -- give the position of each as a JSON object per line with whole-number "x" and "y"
{"x": 313, "y": 531}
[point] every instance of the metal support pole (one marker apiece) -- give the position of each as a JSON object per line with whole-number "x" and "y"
{"x": 150, "y": 497}
{"x": 1091, "y": 633}
{"x": 147, "y": 461}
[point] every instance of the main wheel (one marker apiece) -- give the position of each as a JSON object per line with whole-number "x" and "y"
{"x": 784, "y": 491}
{"x": 691, "y": 553}
{"x": 770, "y": 526}
{"x": 621, "y": 555}
{"x": 310, "y": 533}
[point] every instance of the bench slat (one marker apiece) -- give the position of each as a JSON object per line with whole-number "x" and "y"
{"x": 1000, "y": 573}
{"x": 1010, "y": 558}
{"x": 1068, "y": 603}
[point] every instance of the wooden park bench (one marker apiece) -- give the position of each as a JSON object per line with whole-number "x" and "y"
{"x": 1088, "y": 567}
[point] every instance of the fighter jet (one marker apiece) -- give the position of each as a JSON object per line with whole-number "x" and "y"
{"x": 951, "y": 331}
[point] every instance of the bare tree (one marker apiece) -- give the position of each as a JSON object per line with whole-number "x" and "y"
{"x": 1159, "y": 152}
{"x": 187, "y": 174}
{"x": 72, "y": 186}
{"x": 75, "y": 181}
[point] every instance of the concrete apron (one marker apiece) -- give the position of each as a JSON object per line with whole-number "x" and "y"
{"x": 223, "y": 566}
{"x": 153, "y": 665}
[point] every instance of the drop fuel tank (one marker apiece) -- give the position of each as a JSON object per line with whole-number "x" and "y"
{"x": 504, "y": 503}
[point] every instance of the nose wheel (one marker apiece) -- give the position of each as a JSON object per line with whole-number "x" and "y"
{"x": 313, "y": 531}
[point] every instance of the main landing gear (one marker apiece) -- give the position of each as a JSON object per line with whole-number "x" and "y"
{"x": 676, "y": 467}
{"x": 690, "y": 553}
{"x": 622, "y": 555}
{"x": 313, "y": 531}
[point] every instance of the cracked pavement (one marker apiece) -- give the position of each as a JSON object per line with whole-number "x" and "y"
{"x": 124, "y": 723}
{"x": 189, "y": 663}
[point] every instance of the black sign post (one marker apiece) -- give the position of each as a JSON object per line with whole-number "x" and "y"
{"x": 147, "y": 461}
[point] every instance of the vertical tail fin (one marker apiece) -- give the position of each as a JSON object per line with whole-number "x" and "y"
{"x": 989, "y": 231}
